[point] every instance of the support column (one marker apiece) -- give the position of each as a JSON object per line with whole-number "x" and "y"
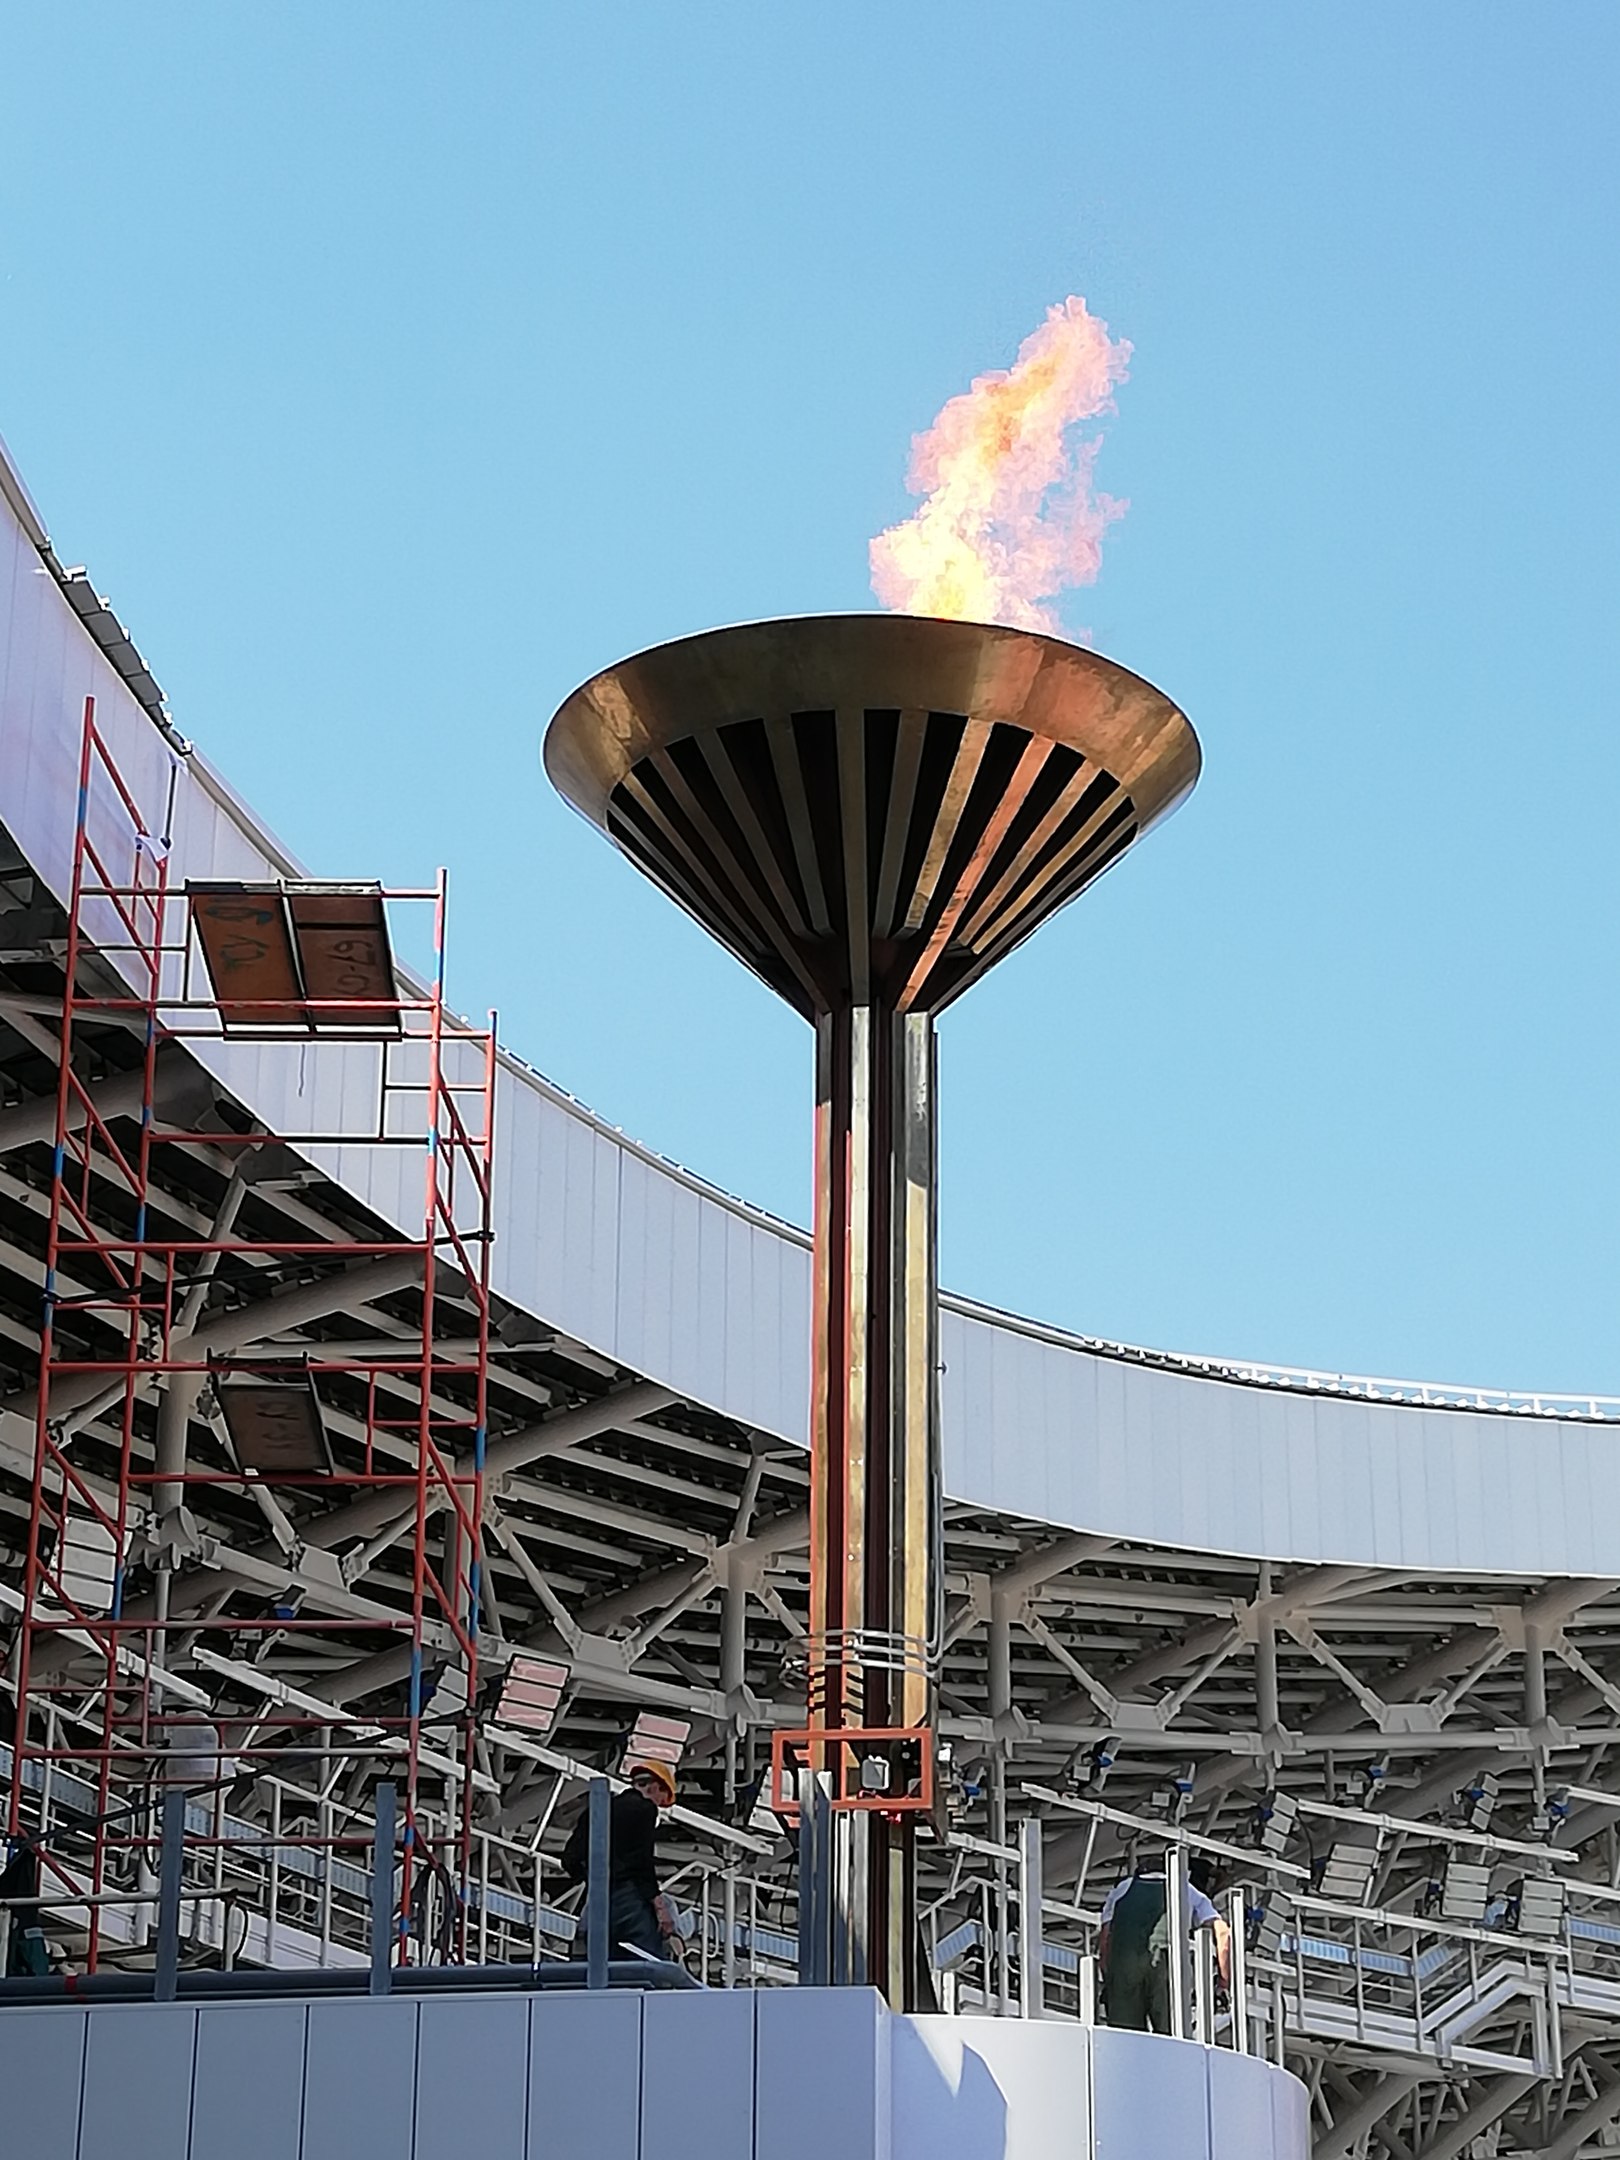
{"x": 874, "y": 1506}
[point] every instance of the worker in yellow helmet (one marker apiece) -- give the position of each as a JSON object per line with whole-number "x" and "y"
{"x": 640, "y": 1917}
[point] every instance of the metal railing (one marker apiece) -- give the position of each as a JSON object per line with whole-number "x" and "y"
{"x": 298, "y": 1892}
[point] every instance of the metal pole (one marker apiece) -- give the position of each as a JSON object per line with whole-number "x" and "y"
{"x": 1237, "y": 1982}
{"x": 272, "y": 1903}
{"x": 172, "y": 1857}
{"x": 598, "y": 1893}
{"x": 1203, "y": 1986}
{"x": 1031, "y": 1939}
{"x": 483, "y": 1898}
{"x": 818, "y": 1917}
{"x": 1175, "y": 1927}
{"x": 998, "y": 1831}
{"x": 382, "y": 1888}
{"x": 874, "y": 1501}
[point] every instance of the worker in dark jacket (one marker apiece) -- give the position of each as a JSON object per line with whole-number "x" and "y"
{"x": 639, "y": 1915}
{"x": 26, "y": 1951}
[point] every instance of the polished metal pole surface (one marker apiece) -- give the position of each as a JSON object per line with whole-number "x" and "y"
{"x": 874, "y": 1511}
{"x": 870, "y": 811}
{"x": 875, "y": 1523}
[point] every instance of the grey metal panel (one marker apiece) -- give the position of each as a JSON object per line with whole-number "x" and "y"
{"x": 589, "y": 1226}
{"x": 797, "y": 2027}
{"x": 248, "y": 2086}
{"x": 645, "y": 1320}
{"x": 472, "y": 2078}
{"x": 1151, "y": 2096}
{"x": 705, "y": 1298}
{"x": 560, "y": 2077}
{"x": 41, "y": 2077}
{"x": 359, "y": 2079}
{"x": 1043, "y": 1428}
{"x": 137, "y": 2082}
{"x": 585, "y": 2076}
{"x": 791, "y": 1337}
{"x": 697, "y": 2076}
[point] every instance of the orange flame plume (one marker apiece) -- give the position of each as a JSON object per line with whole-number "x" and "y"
{"x": 1009, "y": 517}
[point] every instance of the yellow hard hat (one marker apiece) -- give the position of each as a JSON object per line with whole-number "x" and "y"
{"x": 659, "y": 1770}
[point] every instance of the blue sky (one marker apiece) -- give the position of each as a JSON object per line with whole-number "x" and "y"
{"x": 393, "y": 367}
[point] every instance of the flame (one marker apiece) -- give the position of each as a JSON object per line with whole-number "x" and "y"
{"x": 1009, "y": 517}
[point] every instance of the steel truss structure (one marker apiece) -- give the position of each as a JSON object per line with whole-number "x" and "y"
{"x": 156, "y": 1239}
{"x": 656, "y": 1551}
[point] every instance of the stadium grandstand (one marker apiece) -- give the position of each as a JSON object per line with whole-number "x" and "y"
{"x": 325, "y": 1474}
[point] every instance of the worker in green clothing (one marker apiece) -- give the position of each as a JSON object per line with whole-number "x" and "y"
{"x": 1134, "y": 1947}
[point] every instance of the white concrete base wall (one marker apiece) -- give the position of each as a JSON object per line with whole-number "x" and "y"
{"x": 1003, "y": 2089}
{"x": 795, "y": 2074}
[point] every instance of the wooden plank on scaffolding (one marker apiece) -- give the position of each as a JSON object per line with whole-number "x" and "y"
{"x": 341, "y": 932}
{"x": 247, "y": 946}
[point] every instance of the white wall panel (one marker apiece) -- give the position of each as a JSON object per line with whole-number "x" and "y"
{"x": 785, "y": 2075}
{"x": 644, "y": 1319}
{"x": 947, "y": 2103}
{"x": 359, "y": 2079}
{"x": 1151, "y": 2096}
{"x": 1240, "y": 2105}
{"x": 472, "y": 2077}
{"x": 584, "y": 2076}
{"x": 697, "y": 2076}
{"x": 639, "y": 1261}
{"x": 248, "y": 2083}
{"x": 801, "y": 2114}
{"x": 999, "y": 2087}
{"x": 41, "y": 2078}
{"x": 137, "y": 2082}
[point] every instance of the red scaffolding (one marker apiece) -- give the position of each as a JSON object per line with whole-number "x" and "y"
{"x": 147, "y": 1641}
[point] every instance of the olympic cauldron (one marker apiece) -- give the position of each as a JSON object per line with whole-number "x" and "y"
{"x": 870, "y": 811}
